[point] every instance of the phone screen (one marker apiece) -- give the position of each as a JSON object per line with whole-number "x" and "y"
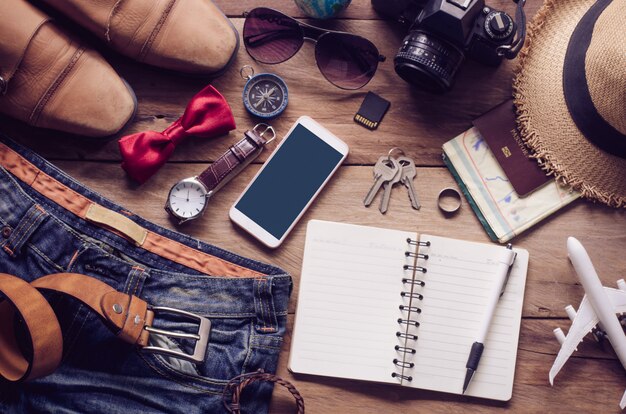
{"x": 288, "y": 181}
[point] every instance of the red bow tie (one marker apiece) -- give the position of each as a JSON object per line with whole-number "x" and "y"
{"x": 207, "y": 115}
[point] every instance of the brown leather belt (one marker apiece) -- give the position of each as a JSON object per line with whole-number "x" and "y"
{"x": 124, "y": 225}
{"x": 128, "y": 316}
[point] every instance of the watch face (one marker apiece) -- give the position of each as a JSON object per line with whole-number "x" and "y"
{"x": 265, "y": 95}
{"x": 187, "y": 199}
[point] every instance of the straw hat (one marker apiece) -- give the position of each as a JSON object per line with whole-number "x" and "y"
{"x": 570, "y": 94}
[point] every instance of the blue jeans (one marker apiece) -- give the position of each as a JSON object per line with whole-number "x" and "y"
{"x": 44, "y": 230}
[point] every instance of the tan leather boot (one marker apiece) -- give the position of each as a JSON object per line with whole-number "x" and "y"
{"x": 47, "y": 79}
{"x": 188, "y": 36}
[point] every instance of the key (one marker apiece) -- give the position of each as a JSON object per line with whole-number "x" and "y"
{"x": 388, "y": 186}
{"x": 408, "y": 173}
{"x": 384, "y": 170}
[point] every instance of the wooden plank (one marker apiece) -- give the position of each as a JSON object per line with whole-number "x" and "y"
{"x": 592, "y": 380}
{"x": 418, "y": 121}
{"x": 551, "y": 283}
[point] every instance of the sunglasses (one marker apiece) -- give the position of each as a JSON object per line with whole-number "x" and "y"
{"x": 346, "y": 60}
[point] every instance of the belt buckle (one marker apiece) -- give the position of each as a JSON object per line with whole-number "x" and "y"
{"x": 201, "y": 338}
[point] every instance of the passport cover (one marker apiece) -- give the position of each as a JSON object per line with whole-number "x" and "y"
{"x": 499, "y": 130}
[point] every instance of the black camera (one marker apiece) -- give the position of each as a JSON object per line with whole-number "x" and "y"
{"x": 443, "y": 32}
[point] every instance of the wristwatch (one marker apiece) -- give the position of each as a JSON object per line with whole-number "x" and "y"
{"x": 188, "y": 198}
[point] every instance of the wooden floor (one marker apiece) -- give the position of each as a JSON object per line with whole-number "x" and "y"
{"x": 419, "y": 123}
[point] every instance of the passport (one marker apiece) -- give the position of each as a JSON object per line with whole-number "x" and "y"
{"x": 499, "y": 130}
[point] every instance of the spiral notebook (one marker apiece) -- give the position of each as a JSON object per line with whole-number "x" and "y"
{"x": 397, "y": 307}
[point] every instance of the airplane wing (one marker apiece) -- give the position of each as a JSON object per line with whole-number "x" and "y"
{"x": 584, "y": 322}
{"x": 617, "y": 298}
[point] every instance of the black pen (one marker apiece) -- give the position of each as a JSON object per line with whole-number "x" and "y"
{"x": 502, "y": 276}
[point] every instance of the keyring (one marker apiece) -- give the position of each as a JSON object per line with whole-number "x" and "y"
{"x": 250, "y": 69}
{"x": 391, "y": 151}
{"x": 449, "y": 200}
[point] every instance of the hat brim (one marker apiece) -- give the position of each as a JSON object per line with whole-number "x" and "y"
{"x": 543, "y": 118}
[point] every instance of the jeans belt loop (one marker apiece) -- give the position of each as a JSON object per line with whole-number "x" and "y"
{"x": 28, "y": 224}
{"x": 266, "y": 320}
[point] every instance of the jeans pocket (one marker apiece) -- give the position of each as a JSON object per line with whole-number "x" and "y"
{"x": 227, "y": 353}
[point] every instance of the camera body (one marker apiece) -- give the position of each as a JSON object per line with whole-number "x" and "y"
{"x": 442, "y": 33}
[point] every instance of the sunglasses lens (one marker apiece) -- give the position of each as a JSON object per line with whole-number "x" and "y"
{"x": 270, "y": 36}
{"x": 346, "y": 60}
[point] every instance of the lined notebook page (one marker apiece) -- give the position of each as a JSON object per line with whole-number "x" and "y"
{"x": 457, "y": 284}
{"x": 346, "y": 321}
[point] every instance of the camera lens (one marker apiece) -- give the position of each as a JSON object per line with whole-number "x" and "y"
{"x": 427, "y": 61}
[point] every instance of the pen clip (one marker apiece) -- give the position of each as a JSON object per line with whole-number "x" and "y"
{"x": 508, "y": 274}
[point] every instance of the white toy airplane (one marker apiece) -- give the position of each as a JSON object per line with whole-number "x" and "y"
{"x": 598, "y": 307}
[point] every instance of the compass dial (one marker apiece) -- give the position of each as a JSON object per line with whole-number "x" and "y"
{"x": 265, "y": 95}
{"x": 187, "y": 199}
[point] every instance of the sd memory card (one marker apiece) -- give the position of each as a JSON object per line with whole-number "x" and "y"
{"x": 371, "y": 111}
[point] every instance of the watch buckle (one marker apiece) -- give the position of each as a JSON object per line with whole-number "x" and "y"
{"x": 268, "y": 128}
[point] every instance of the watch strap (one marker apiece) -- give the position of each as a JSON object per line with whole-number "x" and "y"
{"x": 232, "y": 161}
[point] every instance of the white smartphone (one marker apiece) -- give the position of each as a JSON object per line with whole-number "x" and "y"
{"x": 289, "y": 181}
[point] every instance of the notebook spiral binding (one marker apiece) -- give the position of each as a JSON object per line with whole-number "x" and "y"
{"x": 410, "y": 310}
